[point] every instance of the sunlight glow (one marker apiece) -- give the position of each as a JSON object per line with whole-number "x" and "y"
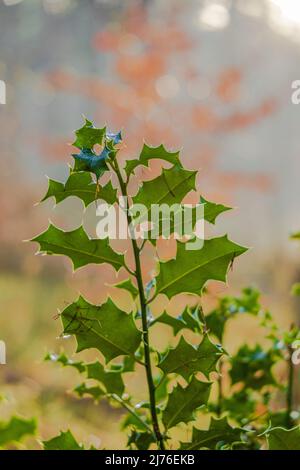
{"x": 284, "y": 17}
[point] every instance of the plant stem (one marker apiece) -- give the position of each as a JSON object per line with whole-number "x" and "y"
{"x": 290, "y": 389}
{"x": 138, "y": 275}
{"x": 220, "y": 390}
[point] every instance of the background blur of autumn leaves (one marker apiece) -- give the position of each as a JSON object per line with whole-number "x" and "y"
{"x": 151, "y": 69}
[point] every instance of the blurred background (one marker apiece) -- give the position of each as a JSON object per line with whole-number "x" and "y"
{"x": 211, "y": 77}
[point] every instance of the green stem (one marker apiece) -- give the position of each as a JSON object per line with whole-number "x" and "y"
{"x": 290, "y": 389}
{"x": 138, "y": 275}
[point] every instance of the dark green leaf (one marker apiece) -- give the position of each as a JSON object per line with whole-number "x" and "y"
{"x": 284, "y": 439}
{"x": 95, "y": 392}
{"x": 253, "y": 367}
{"x": 100, "y": 326}
{"x": 81, "y": 185}
{"x": 65, "y": 441}
{"x": 78, "y": 247}
{"x": 151, "y": 153}
{"x": 183, "y": 402}
{"x": 219, "y": 433}
{"x": 88, "y": 136}
{"x": 15, "y": 429}
{"x": 212, "y": 210}
{"x": 112, "y": 380}
{"x": 186, "y": 360}
{"x": 193, "y": 268}
{"x": 141, "y": 440}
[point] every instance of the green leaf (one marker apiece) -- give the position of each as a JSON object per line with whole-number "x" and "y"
{"x": 193, "y": 268}
{"x": 15, "y": 429}
{"x": 187, "y": 320}
{"x": 89, "y": 161}
{"x": 253, "y": 367}
{"x": 152, "y": 153}
{"x": 104, "y": 327}
{"x": 65, "y": 441}
{"x": 247, "y": 302}
{"x": 65, "y": 361}
{"x": 142, "y": 440}
{"x": 186, "y": 360}
{"x": 78, "y": 247}
{"x": 183, "y": 402}
{"x": 95, "y": 392}
{"x": 284, "y": 439}
{"x": 212, "y": 210}
{"x": 296, "y": 289}
{"x": 128, "y": 286}
{"x": 112, "y": 380}
{"x": 168, "y": 188}
{"x": 218, "y": 434}
{"x": 295, "y": 236}
{"x": 80, "y": 185}
{"x": 88, "y": 136}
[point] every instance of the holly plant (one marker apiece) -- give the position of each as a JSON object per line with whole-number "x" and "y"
{"x": 179, "y": 377}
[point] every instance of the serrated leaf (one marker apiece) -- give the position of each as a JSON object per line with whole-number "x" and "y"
{"x": 88, "y": 136}
{"x": 187, "y": 320}
{"x": 112, "y": 380}
{"x": 284, "y": 439}
{"x": 65, "y": 361}
{"x": 100, "y": 326}
{"x": 247, "y": 302}
{"x": 81, "y": 249}
{"x": 95, "y": 392}
{"x": 218, "y": 433}
{"x": 212, "y": 210}
{"x": 15, "y": 429}
{"x": 128, "y": 286}
{"x": 80, "y": 185}
{"x": 253, "y": 367}
{"x": 183, "y": 402}
{"x": 142, "y": 440}
{"x": 186, "y": 360}
{"x": 152, "y": 153}
{"x": 193, "y": 268}
{"x": 89, "y": 161}
{"x": 168, "y": 188}
{"x": 65, "y": 441}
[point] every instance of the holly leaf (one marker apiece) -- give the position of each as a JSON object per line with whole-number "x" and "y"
{"x": 15, "y": 429}
{"x": 87, "y": 160}
{"x": 218, "y": 434}
{"x": 141, "y": 440}
{"x": 129, "y": 287}
{"x": 100, "y": 326}
{"x": 168, "y": 188}
{"x": 66, "y": 361}
{"x": 212, "y": 210}
{"x": 187, "y": 320}
{"x": 284, "y": 439}
{"x": 193, "y": 268}
{"x": 183, "y": 402}
{"x": 112, "y": 380}
{"x": 253, "y": 367}
{"x": 78, "y": 247}
{"x": 65, "y": 441}
{"x": 186, "y": 359}
{"x": 88, "y": 136}
{"x": 80, "y": 185}
{"x": 95, "y": 392}
{"x": 152, "y": 153}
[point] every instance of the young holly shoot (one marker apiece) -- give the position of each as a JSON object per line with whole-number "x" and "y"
{"x": 185, "y": 380}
